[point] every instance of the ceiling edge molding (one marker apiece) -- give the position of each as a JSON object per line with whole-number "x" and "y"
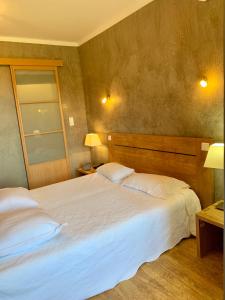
{"x": 113, "y": 21}
{"x": 37, "y": 41}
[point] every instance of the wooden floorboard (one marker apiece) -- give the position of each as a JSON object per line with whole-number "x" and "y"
{"x": 178, "y": 274}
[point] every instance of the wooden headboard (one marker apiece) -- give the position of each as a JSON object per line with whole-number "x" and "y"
{"x": 179, "y": 157}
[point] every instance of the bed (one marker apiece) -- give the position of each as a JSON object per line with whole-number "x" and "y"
{"x": 111, "y": 231}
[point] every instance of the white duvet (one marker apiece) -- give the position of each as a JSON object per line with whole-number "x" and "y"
{"x": 111, "y": 231}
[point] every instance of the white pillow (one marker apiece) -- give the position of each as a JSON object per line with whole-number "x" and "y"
{"x": 24, "y": 230}
{"x": 15, "y": 198}
{"x": 155, "y": 185}
{"x": 114, "y": 171}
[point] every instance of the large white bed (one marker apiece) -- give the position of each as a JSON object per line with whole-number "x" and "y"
{"x": 111, "y": 231}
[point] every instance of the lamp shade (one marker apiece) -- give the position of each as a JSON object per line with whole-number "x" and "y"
{"x": 92, "y": 140}
{"x": 215, "y": 156}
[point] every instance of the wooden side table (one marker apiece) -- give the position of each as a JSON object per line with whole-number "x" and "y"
{"x": 86, "y": 172}
{"x": 209, "y": 229}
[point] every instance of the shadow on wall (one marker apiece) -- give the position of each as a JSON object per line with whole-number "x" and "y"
{"x": 100, "y": 155}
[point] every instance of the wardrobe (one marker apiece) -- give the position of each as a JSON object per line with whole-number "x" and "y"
{"x": 36, "y": 91}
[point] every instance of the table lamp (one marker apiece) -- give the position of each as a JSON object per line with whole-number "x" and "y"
{"x": 215, "y": 159}
{"x": 92, "y": 140}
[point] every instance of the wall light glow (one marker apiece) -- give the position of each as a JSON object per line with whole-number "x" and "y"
{"x": 105, "y": 100}
{"x": 203, "y": 83}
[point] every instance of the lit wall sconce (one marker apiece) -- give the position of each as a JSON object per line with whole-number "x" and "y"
{"x": 105, "y": 100}
{"x": 203, "y": 82}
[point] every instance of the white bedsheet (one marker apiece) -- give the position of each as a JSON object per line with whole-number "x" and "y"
{"x": 111, "y": 232}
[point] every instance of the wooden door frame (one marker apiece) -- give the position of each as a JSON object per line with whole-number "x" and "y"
{"x": 6, "y": 61}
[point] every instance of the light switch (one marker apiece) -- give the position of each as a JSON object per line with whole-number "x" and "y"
{"x": 71, "y": 121}
{"x": 205, "y": 146}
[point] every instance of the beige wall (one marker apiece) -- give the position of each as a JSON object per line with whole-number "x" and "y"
{"x": 151, "y": 63}
{"x": 11, "y": 160}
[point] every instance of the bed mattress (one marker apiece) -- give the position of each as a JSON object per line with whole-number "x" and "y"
{"x": 110, "y": 232}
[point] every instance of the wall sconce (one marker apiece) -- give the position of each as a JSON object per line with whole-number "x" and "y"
{"x": 203, "y": 82}
{"x": 105, "y": 100}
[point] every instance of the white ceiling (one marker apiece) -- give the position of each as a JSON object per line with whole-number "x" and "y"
{"x": 61, "y": 22}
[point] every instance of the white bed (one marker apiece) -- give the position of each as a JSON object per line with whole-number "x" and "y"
{"x": 111, "y": 232}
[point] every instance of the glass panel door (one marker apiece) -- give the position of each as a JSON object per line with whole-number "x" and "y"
{"x": 36, "y": 86}
{"x": 45, "y": 147}
{"x": 40, "y": 116}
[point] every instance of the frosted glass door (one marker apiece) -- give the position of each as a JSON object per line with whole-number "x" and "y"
{"x": 43, "y": 148}
{"x": 39, "y": 111}
{"x": 36, "y": 86}
{"x": 40, "y": 117}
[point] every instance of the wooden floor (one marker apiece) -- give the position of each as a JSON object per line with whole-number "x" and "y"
{"x": 177, "y": 274}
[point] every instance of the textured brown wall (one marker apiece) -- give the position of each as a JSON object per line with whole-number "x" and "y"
{"x": 12, "y": 170}
{"x": 151, "y": 63}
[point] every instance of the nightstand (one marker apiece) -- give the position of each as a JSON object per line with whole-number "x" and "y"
{"x": 209, "y": 229}
{"x": 86, "y": 172}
